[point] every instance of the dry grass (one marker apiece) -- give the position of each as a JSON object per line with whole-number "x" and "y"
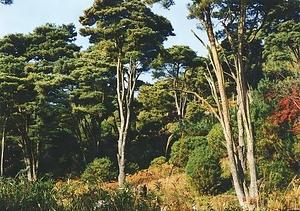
{"x": 287, "y": 200}
{"x": 170, "y": 185}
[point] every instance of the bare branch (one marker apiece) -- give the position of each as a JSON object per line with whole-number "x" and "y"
{"x": 201, "y": 41}
{"x": 202, "y": 99}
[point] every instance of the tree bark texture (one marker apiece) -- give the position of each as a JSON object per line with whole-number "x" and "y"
{"x": 241, "y": 152}
{"x": 125, "y": 93}
{"x": 244, "y": 107}
{"x": 224, "y": 113}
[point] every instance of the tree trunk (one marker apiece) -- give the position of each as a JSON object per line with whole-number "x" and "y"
{"x": 121, "y": 158}
{"x": 3, "y": 145}
{"x": 241, "y": 143}
{"x": 125, "y": 97}
{"x": 122, "y": 135}
{"x": 224, "y": 111}
{"x": 240, "y": 152}
{"x": 244, "y": 107}
{"x": 180, "y": 103}
{"x": 125, "y": 93}
{"x": 179, "y": 96}
{"x": 30, "y": 160}
{"x": 79, "y": 137}
{"x": 28, "y": 148}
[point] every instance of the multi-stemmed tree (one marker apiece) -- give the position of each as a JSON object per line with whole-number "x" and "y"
{"x": 132, "y": 35}
{"x": 241, "y": 22}
{"x": 173, "y": 66}
{"x": 237, "y": 24}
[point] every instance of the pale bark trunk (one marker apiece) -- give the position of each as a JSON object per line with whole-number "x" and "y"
{"x": 122, "y": 135}
{"x": 121, "y": 158}
{"x": 179, "y": 95}
{"x": 2, "y": 151}
{"x": 243, "y": 150}
{"x": 125, "y": 96}
{"x": 245, "y": 108}
{"x": 3, "y": 145}
{"x": 28, "y": 168}
{"x": 241, "y": 147}
{"x": 253, "y": 189}
{"x": 30, "y": 161}
{"x": 180, "y": 103}
{"x": 224, "y": 115}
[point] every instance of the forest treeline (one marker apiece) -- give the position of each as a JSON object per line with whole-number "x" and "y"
{"x": 63, "y": 109}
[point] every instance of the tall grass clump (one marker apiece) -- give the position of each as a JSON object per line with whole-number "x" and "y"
{"x": 78, "y": 196}
{"x": 21, "y": 194}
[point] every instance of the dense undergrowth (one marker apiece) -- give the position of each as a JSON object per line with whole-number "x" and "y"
{"x": 160, "y": 187}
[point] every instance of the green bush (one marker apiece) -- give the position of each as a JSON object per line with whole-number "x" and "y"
{"x": 131, "y": 167}
{"x": 276, "y": 175}
{"x": 158, "y": 161}
{"x": 216, "y": 140}
{"x": 203, "y": 170}
{"x": 21, "y": 194}
{"x": 182, "y": 149}
{"x": 99, "y": 171}
{"x": 127, "y": 198}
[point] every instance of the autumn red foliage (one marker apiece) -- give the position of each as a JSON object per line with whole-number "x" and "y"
{"x": 288, "y": 108}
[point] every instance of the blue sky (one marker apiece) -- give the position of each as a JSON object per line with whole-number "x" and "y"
{"x": 25, "y": 15}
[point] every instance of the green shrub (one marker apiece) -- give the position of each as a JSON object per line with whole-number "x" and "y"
{"x": 276, "y": 175}
{"x": 216, "y": 140}
{"x": 182, "y": 149}
{"x": 99, "y": 171}
{"x": 127, "y": 198}
{"x": 21, "y": 194}
{"x": 131, "y": 167}
{"x": 203, "y": 170}
{"x": 158, "y": 161}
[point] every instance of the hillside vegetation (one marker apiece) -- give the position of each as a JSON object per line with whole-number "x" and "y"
{"x": 80, "y": 131}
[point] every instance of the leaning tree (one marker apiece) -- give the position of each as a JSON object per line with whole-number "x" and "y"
{"x": 236, "y": 23}
{"x": 239, "y": 23}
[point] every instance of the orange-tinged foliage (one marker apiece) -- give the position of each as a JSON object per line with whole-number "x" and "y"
{"x": 288, "y": 110}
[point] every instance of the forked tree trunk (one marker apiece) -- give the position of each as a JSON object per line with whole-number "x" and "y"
{"x": 236, "y": 154}
{"x": 224, "y": 110}
{"x": 125, "y": 93}
{"x": 180, "y": 103}
{"x": 241, "y": 152}
{"x": 30, "y": 160}
{"x": 30, "y": 151}
{"x": 121, "y": 128}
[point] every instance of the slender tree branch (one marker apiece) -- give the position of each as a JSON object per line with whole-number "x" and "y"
{"x": 202, "y": 99}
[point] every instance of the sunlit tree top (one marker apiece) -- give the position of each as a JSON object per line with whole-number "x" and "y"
{"x": 6, "y": 1}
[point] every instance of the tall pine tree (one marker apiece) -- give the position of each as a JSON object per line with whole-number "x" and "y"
{"x": 133, "y": 35}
